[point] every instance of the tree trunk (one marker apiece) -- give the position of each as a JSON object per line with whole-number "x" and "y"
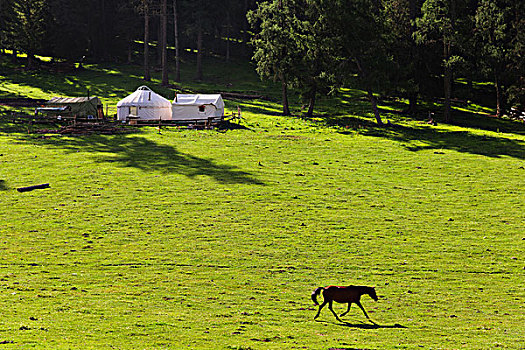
{"x": 449, "y": 75}
{"x": 147, "y": 75}
{"x": 159, "y": 43}
{"x": 228, "y": 25}
{"x": 164, "y": 57}
{"x": 130, "y": 49}
{"x": 199, "y": 53}
{"x": 447, "y": 81}
{"x": 470, "y": 86}
{"x": 286, "y": 108}
{"x": 447, "y": 89}
{"x": 245, "y": 30}
{"x": 412, "y": 103}
{"x": 414, "y": 56}
{"x": 30, "y": 61}
{"x": 363, "y": 73}
{"x": 177, "y": 49}
{"x": 104, "y": 30}
{"x": 311, "y": 103}
{"x": 373, "y": 102}
{"x": 499, "y": 96}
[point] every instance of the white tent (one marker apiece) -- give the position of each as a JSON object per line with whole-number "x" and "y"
{"x": 144, "y": 104}
{"x": 197, "y": 107}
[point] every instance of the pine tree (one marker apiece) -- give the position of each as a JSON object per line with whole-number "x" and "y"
{"x": 446, "y": 22}
{"x": 176, "y": 39}
{"x": 277, "y": 52}
{"x": 164, "y": 41}
{"x": 356, "y": 30}
{"x": 144, "y": 8}
{"x": 493, "y": 38}
{"x": 399, "y": 18}
{"x": 27, "y": 27}
{"x": 6, "y": 12}
{"x": 515, "y": 90}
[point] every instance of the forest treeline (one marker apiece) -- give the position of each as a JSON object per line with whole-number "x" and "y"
{"x": 414, "y": 49}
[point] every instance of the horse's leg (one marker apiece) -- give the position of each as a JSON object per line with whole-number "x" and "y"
{"x": 330, "y": 307}
{"x": 344, "y": 313}
{"x": 320, "y": 307}
{"x": 362, "y": 308}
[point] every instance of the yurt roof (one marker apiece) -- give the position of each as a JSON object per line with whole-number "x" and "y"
{"x": 199, "y": 100}
{"x": 144, "y": 96}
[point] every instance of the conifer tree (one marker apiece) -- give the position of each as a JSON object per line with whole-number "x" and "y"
{"x": 357, "y": 31}
{"x": 27, "y": 28}
{"x": 445, "y": 22}
{"x": 276, "y": 50}
{"x": 493, "y": 38}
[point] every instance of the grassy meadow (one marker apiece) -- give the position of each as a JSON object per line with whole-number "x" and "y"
{"x": 215, "y": 239}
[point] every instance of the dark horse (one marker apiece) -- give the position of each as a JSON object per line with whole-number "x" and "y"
{"x": 350, "y": 294}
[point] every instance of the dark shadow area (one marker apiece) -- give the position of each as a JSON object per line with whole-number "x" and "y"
{"x": 259, "y": 109}
{"x": 487, "y": 122}
{"x": 370, "y": 326}
{"x": 362, "y": 325}
{"x": 436, "y": 138}
{"x": 3, "y": 186}
{"x": 460, "y": 117}
{"x": 138, "y": 152}
{"x": 77, "y": 83}
{"x": 101, "y": 80}
{"x": 339, "y": 348}
{"x": 348, "y": 122}
{"x": 356, "y": 103}
{"x": 229, "y": 125}
{"x": 440, "y": 139}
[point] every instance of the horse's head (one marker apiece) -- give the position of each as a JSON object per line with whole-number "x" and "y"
{"x": 372, "y": 293}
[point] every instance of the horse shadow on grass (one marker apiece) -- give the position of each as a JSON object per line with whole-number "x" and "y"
{"x": 362, "y": 325}
{"x": 135, "y": 151}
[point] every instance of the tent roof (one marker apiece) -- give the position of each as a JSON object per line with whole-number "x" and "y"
{"x": 199, "y": 100}
{"x": 144, "y": 97}
{"x": 71, "y": 100}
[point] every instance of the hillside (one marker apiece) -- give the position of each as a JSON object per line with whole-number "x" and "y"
{"x": 215, "y": 239}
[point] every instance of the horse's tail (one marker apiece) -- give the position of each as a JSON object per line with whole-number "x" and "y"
{"x": 315, "y": 293}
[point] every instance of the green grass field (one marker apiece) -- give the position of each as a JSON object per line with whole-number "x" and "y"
{"x": 216, "y": 239}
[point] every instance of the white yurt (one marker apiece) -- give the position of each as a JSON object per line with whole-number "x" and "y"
{"x": 196, "y": 107}
{"x": 144, "y": 104}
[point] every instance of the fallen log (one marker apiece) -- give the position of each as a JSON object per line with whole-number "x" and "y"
{"x": 243, "y": 96}
{"x": 31, "y": 188}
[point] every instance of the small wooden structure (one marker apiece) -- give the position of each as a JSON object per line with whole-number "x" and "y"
{"x": 73, "y": 107}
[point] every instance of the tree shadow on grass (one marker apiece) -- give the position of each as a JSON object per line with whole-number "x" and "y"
{"x": 429, "y": 138}
{"x": 260, "y": 107}
{"x": 487, "y": 122}
{"x": 101, "y": 81}
{"x": 425, "y": 137}
{"x": 138, "y": 152}
{"x": 3, "y": 186}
